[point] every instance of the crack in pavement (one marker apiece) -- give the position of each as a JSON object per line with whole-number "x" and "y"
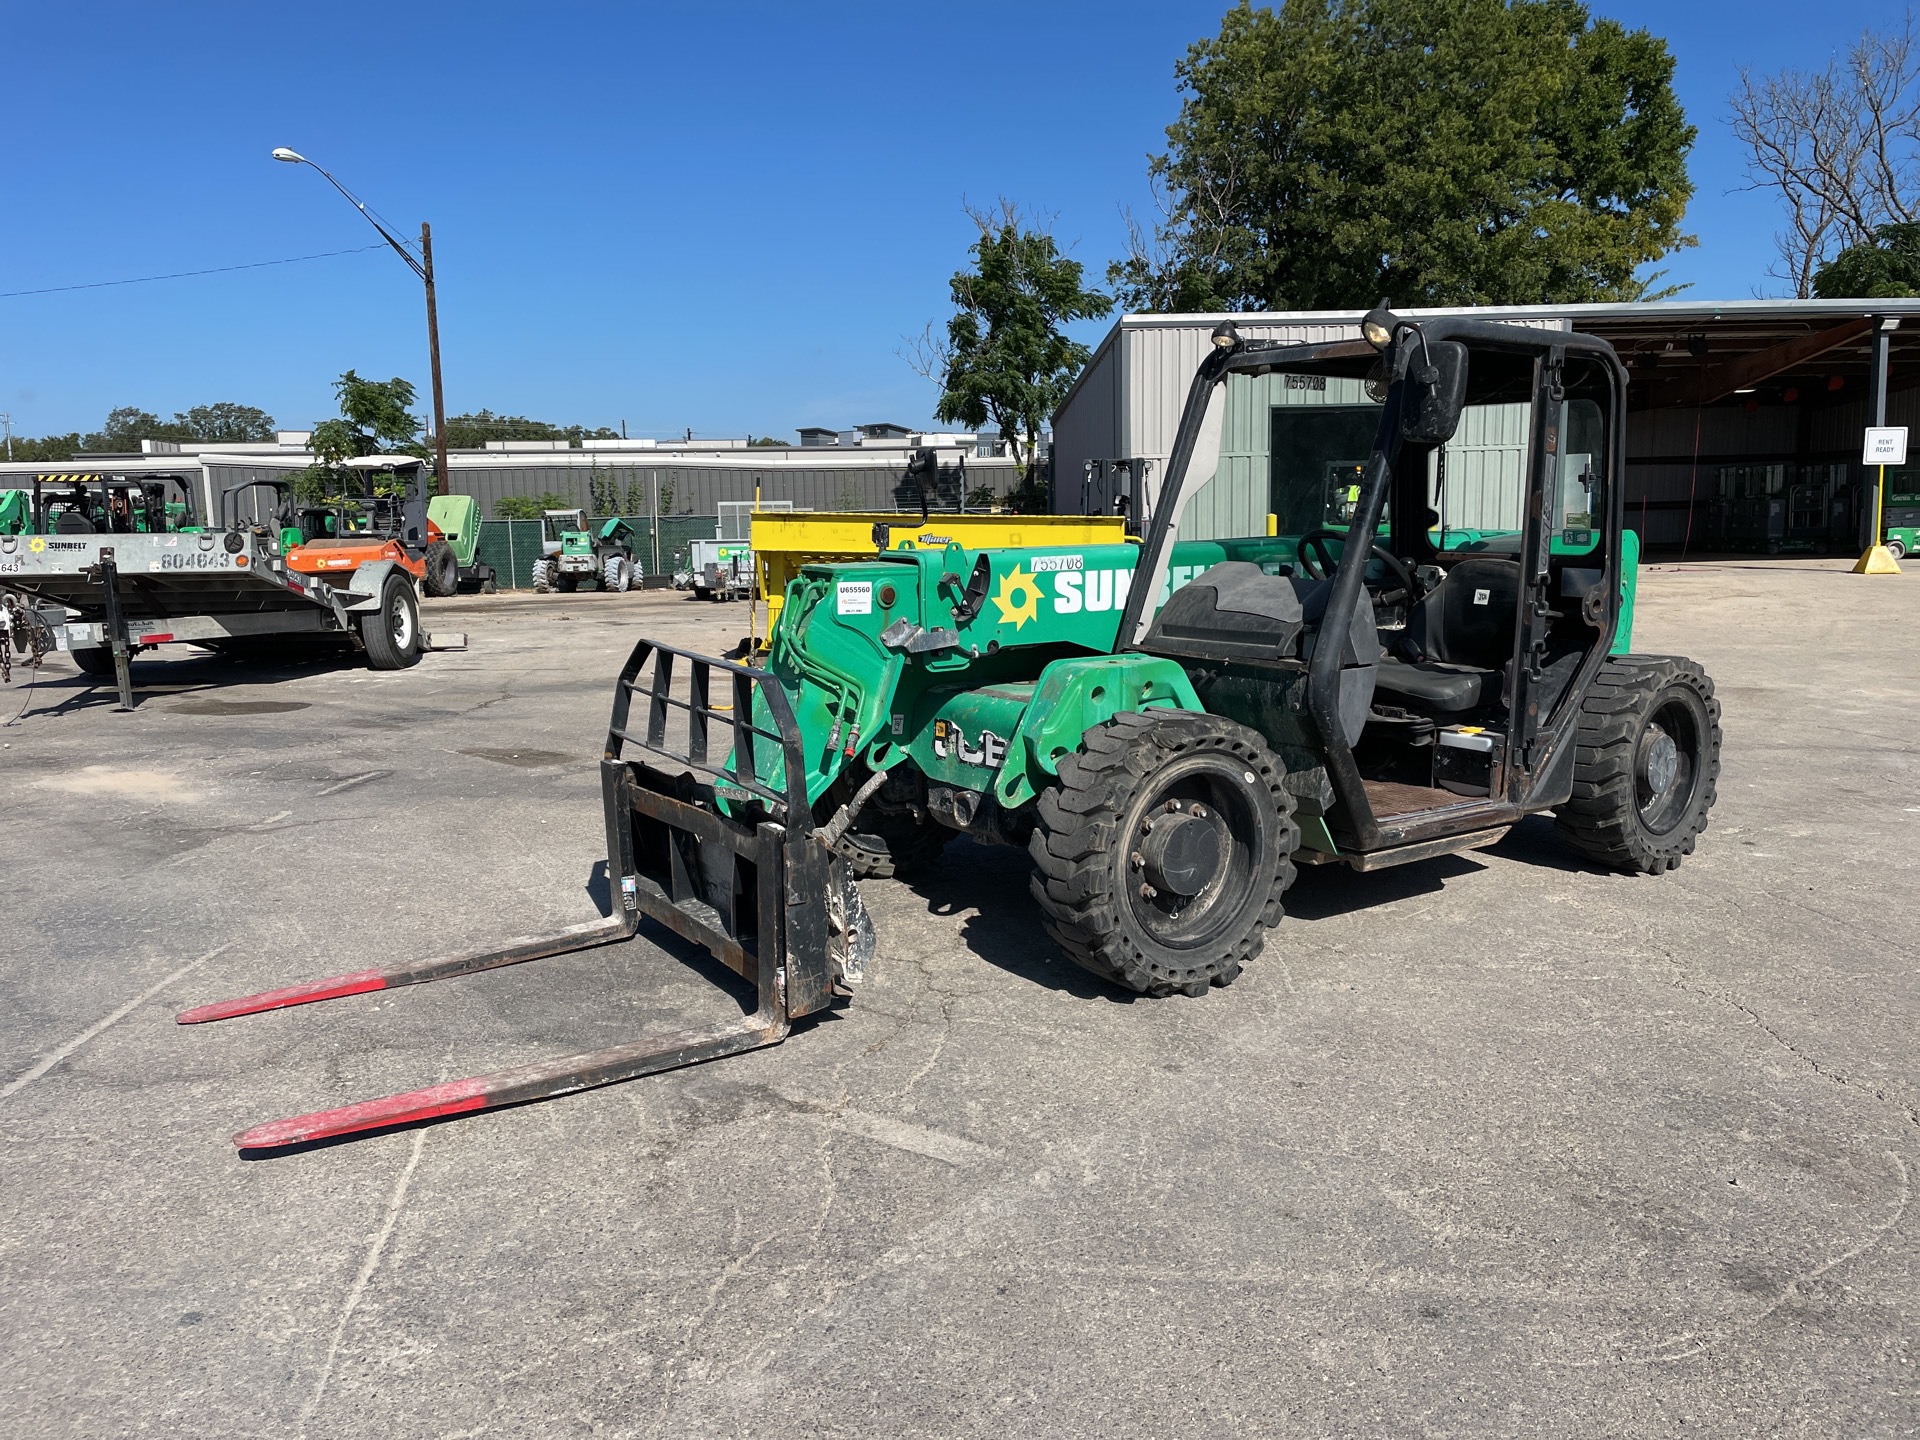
{"x": 360, "y": 1281}
{"x": 54, "y": 1057}
{"x": 1753, "y": 1017}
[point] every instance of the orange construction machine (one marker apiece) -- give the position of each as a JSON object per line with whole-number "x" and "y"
{"x": 382, "y": 517}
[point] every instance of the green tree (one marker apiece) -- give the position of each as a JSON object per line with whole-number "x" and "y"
{"x": 472, "y": 431}
{"x": 126, "y": 426}
{"x": 226, "y": 422}
{"x": 46, "y": 447}
{"x": 1003, "y": 360}
{"x": 223, "y": 421}
{"x": 374, "y": 420}
{"x": 1331, "y": 152}
{"x": 530, "y": 507}
{"x": 1887, "y": 267}
{"x": 769, "y": 440}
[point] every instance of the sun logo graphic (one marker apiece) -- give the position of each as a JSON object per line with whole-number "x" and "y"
{"x": 36, "y": 544}
{"x": 1016, "y": 612}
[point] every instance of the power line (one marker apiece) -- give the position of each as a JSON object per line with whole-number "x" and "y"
{"x": 185, "y": 274}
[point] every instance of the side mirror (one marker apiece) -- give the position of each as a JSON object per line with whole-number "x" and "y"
{"x": 1436, "y": 391}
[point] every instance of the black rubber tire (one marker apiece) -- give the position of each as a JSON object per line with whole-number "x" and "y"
{"x": 95, "y": 660}
{"x": 1896, "y": 549}
{"x": 566, "y": 584}
{"x": 392, "y": 633}
{"x": 542, "y": 577}
{"x": 442, "y": 576}
{"x": 890, "y": 847}
{"x": 1088, "y": 878}
{"x": 1619, "y": 814}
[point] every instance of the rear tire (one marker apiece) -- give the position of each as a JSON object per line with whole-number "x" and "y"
{"x": 617, "y": 575}
{"x": 95, "y": 660}
{"x": 542, "y": 577}
{"x": 1119, "y": 906}
{"x": 392, "y": 633}
{"x": 442, "y": 577}
{"x": 1896, "y": 549}
{"x": 566, "y": 584}
{"x": 1646, "y": 767}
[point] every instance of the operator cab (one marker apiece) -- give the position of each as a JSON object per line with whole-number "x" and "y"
{"x": 1486, "y": 581}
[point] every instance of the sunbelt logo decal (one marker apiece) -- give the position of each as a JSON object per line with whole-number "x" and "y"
{"x": 1064, "y": 583}
{"x": 1018, "y": 599}
{"x": 1092, "y": 591}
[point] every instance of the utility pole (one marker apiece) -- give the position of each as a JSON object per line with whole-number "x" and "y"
{"x": 423, "y": 271}
{"x": 433, "y": 358}
{"x": 6, "y": 423}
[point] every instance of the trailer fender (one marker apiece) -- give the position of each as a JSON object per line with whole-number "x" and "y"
{"x": 363, "y": 591}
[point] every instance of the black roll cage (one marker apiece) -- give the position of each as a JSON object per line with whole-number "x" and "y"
{"x": 1539, "y": 747}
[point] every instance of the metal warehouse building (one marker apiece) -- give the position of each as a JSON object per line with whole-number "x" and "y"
{"x": 1742, "y": 415}
{"x": 639, "y": 478}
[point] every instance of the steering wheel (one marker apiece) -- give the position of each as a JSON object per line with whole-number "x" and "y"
{"x": 1317, "y": 560}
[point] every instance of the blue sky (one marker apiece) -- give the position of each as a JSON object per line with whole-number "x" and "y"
{"x": 723, "y": 217}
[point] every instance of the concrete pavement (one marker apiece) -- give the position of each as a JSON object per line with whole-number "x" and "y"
{"x": 1491, "y": 1145}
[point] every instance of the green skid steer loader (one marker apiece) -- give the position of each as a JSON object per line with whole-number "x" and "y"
{"x": 1381, "y": 612}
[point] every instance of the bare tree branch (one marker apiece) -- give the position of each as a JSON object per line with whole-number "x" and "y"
{"x": 928, "y": 354}
{"x": 1842, "y": 147}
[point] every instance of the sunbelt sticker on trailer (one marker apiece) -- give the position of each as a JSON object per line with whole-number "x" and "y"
{"x": 854, "y": 597}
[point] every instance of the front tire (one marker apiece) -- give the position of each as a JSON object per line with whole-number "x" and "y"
{"x": 1897, "y": 549}
{"x": 617, "y": 575}
{"x": 392, "y": 633}
{"x": 442, "y": 577}
{"x": 1164, "y": 851}
{"x": 542, "y": 577}
{"x": 1646, "y": 766}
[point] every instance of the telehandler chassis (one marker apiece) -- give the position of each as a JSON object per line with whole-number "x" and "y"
{"x": 1170, "y": 727}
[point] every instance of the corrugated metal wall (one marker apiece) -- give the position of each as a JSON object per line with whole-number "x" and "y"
{"x": 696, "y": 489}
{"x": 1486, "y": 460}
{"x": 1157, "y": 365}
{"x": 1088, "y": 429}
{"x": 1486, "y": 471}
{"x": 254, "y": 505}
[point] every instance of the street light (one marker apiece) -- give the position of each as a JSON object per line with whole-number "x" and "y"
{"x": 423, "y": 268}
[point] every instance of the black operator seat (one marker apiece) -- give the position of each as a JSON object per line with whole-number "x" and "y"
{"x": 1459, "y": 639}
{"x": 1236, "y": 612}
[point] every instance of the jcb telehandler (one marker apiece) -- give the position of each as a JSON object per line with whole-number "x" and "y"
{"x": 1379, "y": 614}
{"x": 573, "y": 553}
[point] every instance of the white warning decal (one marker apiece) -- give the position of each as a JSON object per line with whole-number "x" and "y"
{"x": 854, "y": 597}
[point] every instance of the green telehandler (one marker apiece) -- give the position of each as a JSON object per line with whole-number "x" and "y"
{"x": 1379, "y": 614}
{"x": 572, "y": 553}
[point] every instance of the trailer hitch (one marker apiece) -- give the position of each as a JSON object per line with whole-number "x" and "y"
{"x": 718, "y": 846}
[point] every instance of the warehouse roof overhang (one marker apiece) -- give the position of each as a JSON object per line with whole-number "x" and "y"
{"x": 1689, "y": 352}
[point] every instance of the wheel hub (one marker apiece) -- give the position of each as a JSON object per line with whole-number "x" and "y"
{"x": 1181, "y": 852}
{"x": 1659, "y": 760}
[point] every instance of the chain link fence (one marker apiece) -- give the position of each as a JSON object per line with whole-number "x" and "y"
{"x": 511, "y": 546}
